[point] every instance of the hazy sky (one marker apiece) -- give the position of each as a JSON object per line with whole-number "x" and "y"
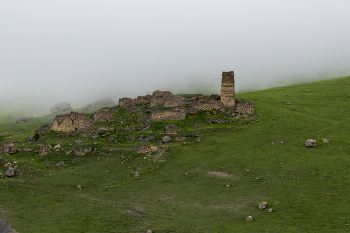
{"x": 70, "y": 50}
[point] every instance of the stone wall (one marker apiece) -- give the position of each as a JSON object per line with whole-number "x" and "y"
{"x": 228, "y": 89}
{"x": 207, "y": 105}
{"x": 125, "y": 102}
{"x": 165, "y": 99}
{"x": 70, "y": 122}
{"x": 245, "y": 107}
{"x": 103, "y": 116}
{"x": 178, "y": 113}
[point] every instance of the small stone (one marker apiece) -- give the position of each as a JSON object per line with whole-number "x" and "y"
{"x": 135, "y": 174}
{"x": 262, "y": 205}
{"x": 247, "y": 170}
{"x": 270, "y": 210}
{"x": 10, "y": 172}
{"x": 149, "y": 231}
{"x": 227, "y": 185}
{"x": 288, "y": 103}
{"x": 78, "y": 187}
{"x": 249, "y": 219}
{"x": 78, "y": 142}
{"x": 310, "y": 143}
{"x": 325, "y": 140}
{"x": 257, "y": 178}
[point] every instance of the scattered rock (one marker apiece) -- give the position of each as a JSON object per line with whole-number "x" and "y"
{"x": 310, "y": 143}
{"x": 325, "y": 140}
{"x": 288, "y": 103}
{"x": 61, "y": 164}
{"x": 166, "y": 139}
{"x": 270, "y": 210}
{"x": 10, "y": 172}
{"x": 249, "y": 219}
{"x": 149, "y": 231}
{"x": 180, "y": 138}
{"x": 135, "y": 174}
{"x": 262, "y": 205}
{"x": 44, "y": 150}
{"x": 78, "y": 186}
{"x": 68, "y": 152}
{"x": 58, "y": 146}
{"x": 27, "y": 149}
{"x": 9, "y": 147}
{"x": 146, "y": 149}
{"x": 78, "y": 143}
{"x": 83, "y": 151}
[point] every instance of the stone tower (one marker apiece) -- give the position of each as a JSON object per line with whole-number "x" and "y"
{"x": 228, "y": 89}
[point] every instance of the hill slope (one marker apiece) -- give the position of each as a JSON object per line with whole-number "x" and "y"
{"x": 208, "y": 185}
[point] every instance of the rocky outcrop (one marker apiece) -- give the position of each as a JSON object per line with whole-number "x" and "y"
{"x": 63, "y": 106}
{"x": 71, "y": 122}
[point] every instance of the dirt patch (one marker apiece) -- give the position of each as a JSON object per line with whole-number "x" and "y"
{"x": 221, "y": 174}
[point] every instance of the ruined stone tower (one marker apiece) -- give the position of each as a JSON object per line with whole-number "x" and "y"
{"x": 228, "y": 89}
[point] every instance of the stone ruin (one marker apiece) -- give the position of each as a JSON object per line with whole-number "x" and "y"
{"x": 70, "y": 122}
{"x": 179, "y": 106}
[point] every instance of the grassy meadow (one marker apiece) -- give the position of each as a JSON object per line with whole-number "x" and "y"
{"x": 211, "y": 184}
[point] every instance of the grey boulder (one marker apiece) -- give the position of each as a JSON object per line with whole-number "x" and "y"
{"x": 166, "y": 139}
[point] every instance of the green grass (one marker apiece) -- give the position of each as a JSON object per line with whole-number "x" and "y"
{"x": 306, "y": 187}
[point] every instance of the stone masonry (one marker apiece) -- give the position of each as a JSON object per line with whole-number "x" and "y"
{"x": 228, "y": 89}
{"x": 70, "y": 122}
{"x": 178, "y": 113}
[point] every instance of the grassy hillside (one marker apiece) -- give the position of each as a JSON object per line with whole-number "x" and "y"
{"x": 208, "y": 185}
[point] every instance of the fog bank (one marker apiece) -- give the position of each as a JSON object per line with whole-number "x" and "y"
{"x": 80, "y": 51}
